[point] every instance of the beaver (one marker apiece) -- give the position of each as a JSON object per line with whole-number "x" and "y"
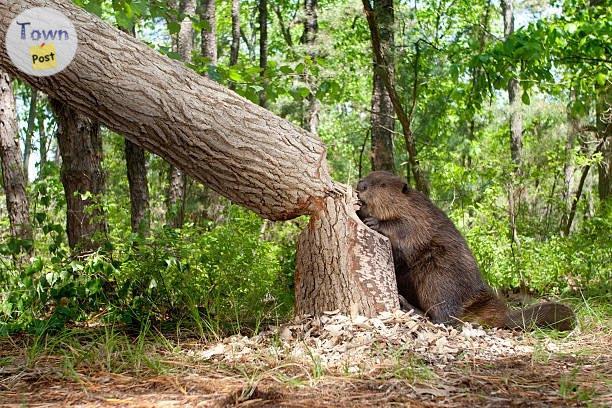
{"x": 436, "y": 272}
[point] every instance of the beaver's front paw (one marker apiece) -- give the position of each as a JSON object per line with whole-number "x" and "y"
{"x": 372, "y": 223}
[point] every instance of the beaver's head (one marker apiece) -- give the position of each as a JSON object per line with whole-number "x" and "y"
{"x": 380, "y": 194}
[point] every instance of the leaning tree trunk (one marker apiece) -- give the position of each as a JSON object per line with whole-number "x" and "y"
{"x": 80, "y": 146}
{"x": 13, "y": 178}
{"x": 237, "y": 148}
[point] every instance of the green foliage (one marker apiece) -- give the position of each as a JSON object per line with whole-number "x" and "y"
{"x": 205, "y": 278}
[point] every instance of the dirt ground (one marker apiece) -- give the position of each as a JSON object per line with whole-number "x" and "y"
{"x": 557, "y": 380}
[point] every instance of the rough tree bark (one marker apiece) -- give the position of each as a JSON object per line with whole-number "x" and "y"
{"x": 237, "y": 148}
{"x": 382, "y": 116}
{"x": 13, "y": 178}
{"x": 405, "y": 119}
{"x": 177, "y": 179}
{"x": 80, "y": 146}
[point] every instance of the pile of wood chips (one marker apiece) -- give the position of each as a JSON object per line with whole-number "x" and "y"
{"x": 357, "y": 344}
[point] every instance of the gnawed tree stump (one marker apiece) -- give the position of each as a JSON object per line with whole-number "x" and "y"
{"x": 343, "y": 265}
{"x": 235, "y": 147}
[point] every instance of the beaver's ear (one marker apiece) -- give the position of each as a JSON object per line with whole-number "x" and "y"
{"x": 405, "y": 188}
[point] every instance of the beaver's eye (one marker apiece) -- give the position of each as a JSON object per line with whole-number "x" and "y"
{"x": 383, "y": 185}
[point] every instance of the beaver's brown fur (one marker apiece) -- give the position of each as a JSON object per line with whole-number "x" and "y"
{"x": 435, "y": 269}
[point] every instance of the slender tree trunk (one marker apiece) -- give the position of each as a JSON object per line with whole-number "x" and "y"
{"x": 13, "y": 178}
{"x": 136, "y": 168}
{"x": 216, "y": 205}
{"x": 235, "y": 48}
{"x": 311, "y": 27}
{"x": 579, "y": 189}
{"x": 80, "y": 146}
{"x": 514, "y": 91}
{"x": 604, "y": 132}
{"x": 43, "y": 140}
{"x": 263, "y": 48}
{"x": 477, "y": 72}
{"x": 382, "y": 116}
{"x": 209, "y": 33}
{"x": 516, "y": 139}
{"x": 405, "y": 119}
{"x": 568, "y": 166}
{"x": 136, "y": 165}
{"x": 177, "y": 179}
{"x": 27, "y": 144}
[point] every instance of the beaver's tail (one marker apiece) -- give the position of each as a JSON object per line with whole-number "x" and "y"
{"x": 549, "y": 314}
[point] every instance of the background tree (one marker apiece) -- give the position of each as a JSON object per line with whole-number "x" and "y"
{"x": 263, "y": 48}
{"x": 311, "y": 26}
{"x": 177, "y": 180}
{"x": 13, "y": 178}
{"x": 80, "y": 147}
{"x": 138, "y": 182}
{"x": 382, "y": 115}
{"x": 27, "y": 144}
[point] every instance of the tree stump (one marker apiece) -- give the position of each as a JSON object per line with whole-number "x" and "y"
{"x": 341, "y": 264}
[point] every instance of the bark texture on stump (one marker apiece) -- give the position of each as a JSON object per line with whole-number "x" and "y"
{"x": 342, "y": 264}
{"x": 13, "y": 178}
{"x": 238, "y": 149}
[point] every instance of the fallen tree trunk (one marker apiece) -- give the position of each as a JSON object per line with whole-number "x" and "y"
{"x": 237, "y": 148}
